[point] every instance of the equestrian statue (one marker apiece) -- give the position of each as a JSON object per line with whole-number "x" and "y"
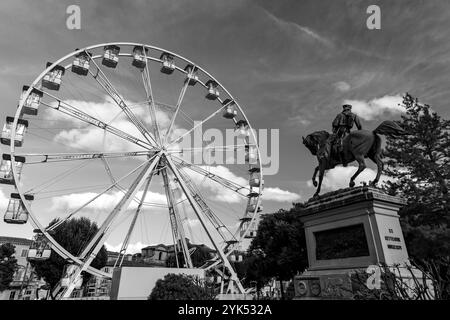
{"x": 344, "y": 146}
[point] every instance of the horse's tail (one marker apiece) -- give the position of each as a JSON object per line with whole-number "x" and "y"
{"x": 389, "y": 128}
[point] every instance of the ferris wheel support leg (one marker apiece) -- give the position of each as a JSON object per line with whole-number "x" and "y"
{"x": 198, "y": 212}
{"x": 177, "y": 226}
{"x": 133, "y": 223}
{"x": 105, "y": 230}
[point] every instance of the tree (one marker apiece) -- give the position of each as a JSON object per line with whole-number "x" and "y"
{"x": 73, "y": 235}
{"x": 252, "y": 270}
{"x": 181, "y": 287}
{"x": 280, "y": 246}
{"x": 201, "y": 255}
{"x": 419, "y": 163}
{"x": 8, "y": 265}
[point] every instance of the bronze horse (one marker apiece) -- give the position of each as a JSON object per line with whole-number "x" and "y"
{"x": 357, "y": 145}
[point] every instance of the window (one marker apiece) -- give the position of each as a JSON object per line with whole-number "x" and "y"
{"x": 160, "y": 256}
{"x": 12, "y": 295}
{"x": 18, "y": 275}
{"x": 24, "y": 253}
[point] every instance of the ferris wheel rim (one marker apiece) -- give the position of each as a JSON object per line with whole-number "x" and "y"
{"x": 56, "y": 246}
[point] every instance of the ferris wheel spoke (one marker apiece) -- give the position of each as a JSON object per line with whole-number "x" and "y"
{"x": 109, "y": 188}
{"x": 198, "y": 212}
{"x": 60, "y": 157}
{"x": 178, "y": 106}
{"x": 151, "y": 103}
{"x": 74, "y": 112}
{"x": 233, "y": 186}
{"x": 106, "y": 84}
{"x": 196, "y": 126}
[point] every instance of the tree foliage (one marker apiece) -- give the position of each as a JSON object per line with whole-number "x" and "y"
{"x": 420, "y": 159}
{"x": 252, "y": 270}
{"x": 419, "y": 163}
{"x": 279, "y": 249}
{"x": 181, "y": 287}
{"x": 73, "y": 235}
{"x": 8, "y": 265}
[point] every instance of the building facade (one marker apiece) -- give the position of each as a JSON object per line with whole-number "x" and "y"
{"x": 25, "y": 285}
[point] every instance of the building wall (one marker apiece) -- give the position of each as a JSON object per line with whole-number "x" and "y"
{"x": 23, "y": 277}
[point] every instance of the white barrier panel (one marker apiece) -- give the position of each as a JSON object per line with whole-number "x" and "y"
{"x": 136, "y": 283}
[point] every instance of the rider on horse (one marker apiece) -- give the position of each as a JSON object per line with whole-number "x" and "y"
{"x": 342, "y": 125}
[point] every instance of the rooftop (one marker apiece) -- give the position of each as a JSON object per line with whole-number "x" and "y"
{"x": 126, "y": 263}
{"x": 16, "y": 241}
{"x": 171, "y": 247}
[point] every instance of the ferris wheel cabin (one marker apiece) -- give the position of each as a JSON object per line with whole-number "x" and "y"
{"x": 139, "y": 57}
{"x": 21, "y": 128}
{"x": 80, "y": 65}
{"x": 251, "y": 227}
{"x": 40, "y": 249}
{"x": 251, "y": 154}
{"x": 242, "y": 129}
{"x": 192, "y": 76}
{"x": 168, "y": 64}
{"x": 6, "y": 170}
{"x": 213, "y": 92}
{"x": 31, "y": 104}
{"x": 52, "y": 80}
{"x": 16, "y": 213}
{"x": 253, "y": 202}
{"x": 255, "y": 177}
{"x": 229, "y": 110}
{"x": 252, "y": 205}
{"x": 111, "y": 56}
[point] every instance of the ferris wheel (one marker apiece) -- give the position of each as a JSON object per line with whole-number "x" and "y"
{"x": 108, "y": 133}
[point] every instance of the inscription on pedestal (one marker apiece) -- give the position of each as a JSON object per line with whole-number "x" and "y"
{"x": 341, "y": 243}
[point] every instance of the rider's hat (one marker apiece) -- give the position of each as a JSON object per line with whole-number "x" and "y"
{"x": 347, "y": 106}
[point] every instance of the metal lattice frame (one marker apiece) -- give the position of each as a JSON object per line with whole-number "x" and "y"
{"x": 156, "y": 148}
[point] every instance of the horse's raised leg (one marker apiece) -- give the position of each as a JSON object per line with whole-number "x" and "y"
{"x": 361, "y": 167}
{"x": 380, "y": 166}
{"x": 321, "y": 169}
{"x": 314, "y": 176}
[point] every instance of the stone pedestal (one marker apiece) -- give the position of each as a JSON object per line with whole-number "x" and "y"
{"x": 347, "y": 231}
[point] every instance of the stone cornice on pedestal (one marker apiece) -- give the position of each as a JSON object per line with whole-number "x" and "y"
{"x": 344, "y": 197}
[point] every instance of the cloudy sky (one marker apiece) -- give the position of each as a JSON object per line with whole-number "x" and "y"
{"x": 290, "y": 64}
